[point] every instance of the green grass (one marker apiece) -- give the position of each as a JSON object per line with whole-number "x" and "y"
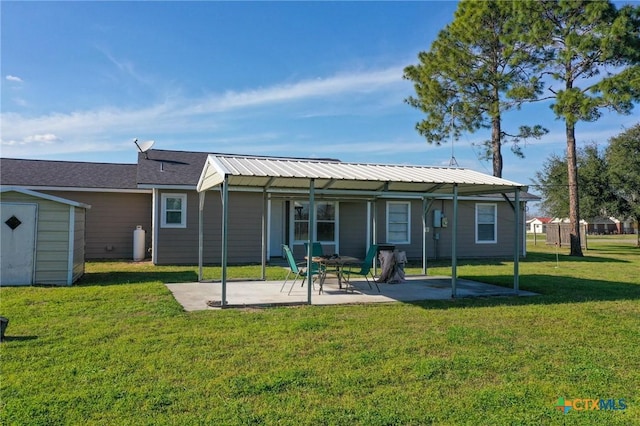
{"x": 118, "y": 349}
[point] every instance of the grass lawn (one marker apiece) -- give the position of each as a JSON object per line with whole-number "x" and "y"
{"x": 118, "y": 349}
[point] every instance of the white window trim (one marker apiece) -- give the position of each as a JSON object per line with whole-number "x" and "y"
{"x": 495, "y": 224}
{"x": 315, "y": 225}
{"x": 408, "y": 204}
{"x": 163, "y": 208}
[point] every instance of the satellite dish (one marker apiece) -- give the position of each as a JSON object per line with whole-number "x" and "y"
{"x": 144, "y": 146}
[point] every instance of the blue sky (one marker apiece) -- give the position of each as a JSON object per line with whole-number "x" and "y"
{"x": 81, "y": 80}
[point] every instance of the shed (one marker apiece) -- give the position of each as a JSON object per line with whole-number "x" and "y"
{"x": 43, "y": 238}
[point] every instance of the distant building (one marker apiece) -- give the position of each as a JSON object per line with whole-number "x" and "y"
{"x": 538, "y": 225}
{"x": 604, "y": 226}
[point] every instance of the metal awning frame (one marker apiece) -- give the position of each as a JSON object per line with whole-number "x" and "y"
{"x": 223, "y": 180}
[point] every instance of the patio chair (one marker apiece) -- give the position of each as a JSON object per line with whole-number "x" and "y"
{"x": 365, "y": 268}
{"x": 299, "y": 270}
{"x": 316, "y": 250}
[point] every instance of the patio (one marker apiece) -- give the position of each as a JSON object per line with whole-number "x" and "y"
{"x": 207, "y": 295}
{"x": 291, "y": 179}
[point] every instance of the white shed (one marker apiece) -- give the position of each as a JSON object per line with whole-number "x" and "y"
{"x": 42, "y": 239}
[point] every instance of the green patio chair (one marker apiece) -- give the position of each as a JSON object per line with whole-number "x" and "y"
{"x": 300, "y": 270}
{"x": 316, "y": 250}
{"x": 365, "y": 268}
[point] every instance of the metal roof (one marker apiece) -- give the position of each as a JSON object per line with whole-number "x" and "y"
{"x": 334, "y": 176}
{"x": 44, "y": 196}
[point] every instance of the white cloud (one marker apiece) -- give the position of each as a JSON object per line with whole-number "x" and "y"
{"x": 71, "y": 131}
{"x": 126, "y": 67}
{"x": 13, "y": 78}
{"x": 45, "y": 139}
{"x": 342, "y": 84}
{"x": 30, "y": 140}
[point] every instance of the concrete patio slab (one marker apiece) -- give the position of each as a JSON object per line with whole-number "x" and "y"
{"x": 207, "y": 295}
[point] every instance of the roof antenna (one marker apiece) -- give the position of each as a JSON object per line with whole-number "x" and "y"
{"x": 144, "y": 147}
{"x": 452, "y": 161}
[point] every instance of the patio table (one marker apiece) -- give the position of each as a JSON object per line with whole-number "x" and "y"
{"x": 336, "y": 263}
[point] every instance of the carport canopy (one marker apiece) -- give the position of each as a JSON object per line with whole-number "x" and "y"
{"x": 337, "y": 178}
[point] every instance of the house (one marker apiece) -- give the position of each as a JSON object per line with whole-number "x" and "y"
{"x": 43, "y": 238}
{"x": 629, "y": 226}
{"x": 604, "y": 226}
{"x": 538, "y": 225}
{"x": 165, "y": 194}
{"x": 118, "y": 205}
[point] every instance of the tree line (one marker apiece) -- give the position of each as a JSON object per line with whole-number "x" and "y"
{"x": 608, "y": 180}
{"x": 496, "y": 56}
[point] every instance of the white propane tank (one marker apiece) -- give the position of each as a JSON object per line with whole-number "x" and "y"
{"x": 138, "y": 244}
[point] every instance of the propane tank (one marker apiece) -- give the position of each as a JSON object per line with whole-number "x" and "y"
{"x": 138, "y": 244}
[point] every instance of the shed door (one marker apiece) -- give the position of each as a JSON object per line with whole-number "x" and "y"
{"x": 18, "y": 241}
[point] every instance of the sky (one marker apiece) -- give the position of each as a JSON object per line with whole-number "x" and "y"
{"x": 82, "y": 80}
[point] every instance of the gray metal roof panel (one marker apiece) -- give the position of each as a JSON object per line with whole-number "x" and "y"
{"x": 354, "y": 176}
{"x": 44, "y": 196}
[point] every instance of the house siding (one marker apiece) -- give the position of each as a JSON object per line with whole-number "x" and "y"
{"x": 466, "y": 244}
{"x": 180, "y": 245}
{"x": 353, "y": 229}
{"x": 414, "y": 248}
{"x": 111, "y": 220}
{"x": 441, "y": 248}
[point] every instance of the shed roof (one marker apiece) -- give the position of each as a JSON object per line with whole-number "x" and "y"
{"x": 330, "y": 175}
{"x": 49, "y": 197}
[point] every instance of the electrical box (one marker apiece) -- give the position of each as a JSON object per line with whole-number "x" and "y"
{"x": 437, "y": 218}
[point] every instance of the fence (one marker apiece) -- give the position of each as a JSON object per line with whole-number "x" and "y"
{"x": 560, "y": 234}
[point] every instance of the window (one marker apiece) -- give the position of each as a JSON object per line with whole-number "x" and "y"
{"x": 398, "y": 222}
{"x": 486, "y": 223}
{"x": 325, "y": 221}
{"x": 174, "y": 211}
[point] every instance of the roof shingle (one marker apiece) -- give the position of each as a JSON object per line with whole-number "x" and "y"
{"x": 67, "y": 174}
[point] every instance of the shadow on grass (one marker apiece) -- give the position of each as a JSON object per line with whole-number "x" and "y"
{"x": 18, "y": 338}
{"x": 531, "y": 258}
{"x": 551, "y": 290}
{"x": 120, "y": 278}
{"x": 551, "y": 257}
{"x": 615, "y": 249}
